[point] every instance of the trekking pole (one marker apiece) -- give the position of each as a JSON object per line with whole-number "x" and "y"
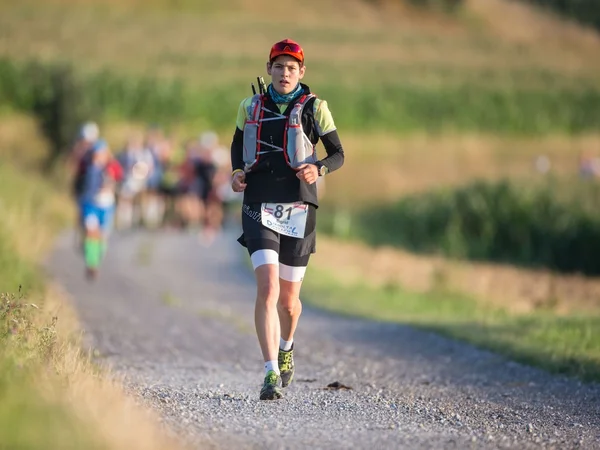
{"x": 263, "y": 86}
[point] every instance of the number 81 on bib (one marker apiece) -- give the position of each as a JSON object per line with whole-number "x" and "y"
{"x": 288, "y": 219}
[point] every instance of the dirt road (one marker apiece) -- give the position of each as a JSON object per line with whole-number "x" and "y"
{"x": 176, "y": 318}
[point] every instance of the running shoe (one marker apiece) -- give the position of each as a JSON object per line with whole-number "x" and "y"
{"x": 271, "y": 389}
{"x": 286, "y": 366}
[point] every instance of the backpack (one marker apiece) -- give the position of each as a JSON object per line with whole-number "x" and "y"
{"x": 80, "y": 173}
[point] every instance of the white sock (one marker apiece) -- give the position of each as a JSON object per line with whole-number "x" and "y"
{"x": 286, "y": 346}
{"x": 272, "y": 365}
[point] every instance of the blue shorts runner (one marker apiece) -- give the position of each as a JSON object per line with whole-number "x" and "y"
{"x": 93, "y": 217}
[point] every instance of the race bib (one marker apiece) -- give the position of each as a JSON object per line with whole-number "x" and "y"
{"x": 285, "y": 218}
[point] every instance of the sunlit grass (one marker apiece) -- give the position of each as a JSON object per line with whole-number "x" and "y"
{"x": 563, "y": 344}
{"x": 53, "y": 394}
{"x": 202, "y": 43}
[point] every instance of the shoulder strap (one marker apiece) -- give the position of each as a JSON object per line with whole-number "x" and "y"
{"x": 255, "y": 107}
{"x": 305, "y": 99}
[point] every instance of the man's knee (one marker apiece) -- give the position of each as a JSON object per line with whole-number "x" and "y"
{"x": 289, "y": 304}
{"x": 267, "y": 283}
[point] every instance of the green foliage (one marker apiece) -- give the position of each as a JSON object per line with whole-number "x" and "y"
{"x": 554, "y": 224}
{"x": 29, "y": 423}
{"x": 20, "y": 335}
{"x": 14, "y": 272}
{"x": 53, "y": 94}
{"x": 561, "y": 344}
{"x": 583, "y": 11}
{"x": 29, "y": 420}
{"x": 395, "y": 107}
{"x": 444, "y": 5}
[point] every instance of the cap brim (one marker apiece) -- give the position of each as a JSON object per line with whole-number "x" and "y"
{"x": 293, "y": 55}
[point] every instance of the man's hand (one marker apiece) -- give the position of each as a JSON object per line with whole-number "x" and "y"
{"x": 308, "y": 173}
{"x": 238, "y": 182}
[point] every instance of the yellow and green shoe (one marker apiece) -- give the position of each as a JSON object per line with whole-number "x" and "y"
{"x": 286, "y": 366}
{"x": 271, "y": 389}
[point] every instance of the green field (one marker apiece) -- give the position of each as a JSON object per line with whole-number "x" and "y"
{"x": 379, "y": 69}
{"x": 551, "y": 223}
{"x": 31, "y": 417}
{"x": 51, "y": 394}
{"x": 566, "y": 344}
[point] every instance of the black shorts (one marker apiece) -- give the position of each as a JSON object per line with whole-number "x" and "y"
{"x": 292, "y": 251}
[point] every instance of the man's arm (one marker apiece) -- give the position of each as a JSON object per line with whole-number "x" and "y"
{"x": 237, "y": 150}
{"x": 335, "y": 152}
{"x": 237, "y": 144}
{"x": 329, "y": 136}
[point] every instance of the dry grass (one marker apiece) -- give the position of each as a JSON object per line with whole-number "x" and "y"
{"x": 22, "y": 148}
{"x": 386, "y": 167}
{"x": 506, "y": 287}
{"x": 66, "y": 379}
{"x": 14, "y": 129}
{"x": 525, "y": 25}
{"x": 201, "y": 40}
{"x": 93, "y": 393}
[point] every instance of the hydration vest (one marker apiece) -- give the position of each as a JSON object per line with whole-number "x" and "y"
{"x": 82, "y": 167}
{"x": 297, "y": 147}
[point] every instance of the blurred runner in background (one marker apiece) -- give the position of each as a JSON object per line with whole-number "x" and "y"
{"x": 97, "y": 204}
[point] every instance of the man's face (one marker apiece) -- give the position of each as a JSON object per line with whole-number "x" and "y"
{"x": 286, "y": 72}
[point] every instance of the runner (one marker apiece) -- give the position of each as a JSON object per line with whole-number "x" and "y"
{"x": 137, "y": 162}
{"x": 275, "y": 164}
{"x": 97, "y": 204}
{"x": 78, "y": 162}
{"x": 213, "y": 168}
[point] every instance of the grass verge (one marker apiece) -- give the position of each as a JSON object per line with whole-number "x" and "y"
{"x": 547, "y": 223}
{"x": 567, "y": 345}
{"x": 52, "y": 396}
{"x": 380, "y": 67}
{"x": 399, "y": 108}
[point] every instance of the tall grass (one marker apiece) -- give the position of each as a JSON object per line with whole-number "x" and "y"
{"x": 393, "y": 107}
{"x": 567, "y": 345}
{"x": 583, "y": 11}
{"x": 553, "y": 225}
{"x": 28, "y": 344}
{"x": 51, "y": 394}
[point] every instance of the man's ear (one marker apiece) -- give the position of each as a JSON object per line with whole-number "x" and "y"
{"x": 302, "y": 71}
{"x": 269, "y": 66}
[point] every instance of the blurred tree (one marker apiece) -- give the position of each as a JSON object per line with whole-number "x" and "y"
{"x": 59, "y": 104}
{"x": 446, "y": 5}
{"x": 584, "y": 11}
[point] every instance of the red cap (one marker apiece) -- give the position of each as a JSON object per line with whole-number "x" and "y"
{"x": 287, "y": 47}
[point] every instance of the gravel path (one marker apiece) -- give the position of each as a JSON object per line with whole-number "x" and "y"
{"x": 176, "y": 318}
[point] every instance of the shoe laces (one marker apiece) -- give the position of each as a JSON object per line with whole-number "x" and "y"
{"x": 271, "y": 377}
{"x": 285, "y": 359}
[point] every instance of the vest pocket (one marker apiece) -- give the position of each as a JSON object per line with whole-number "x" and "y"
{"x": 250, "y": 143}
{"x": 300, "y": 149}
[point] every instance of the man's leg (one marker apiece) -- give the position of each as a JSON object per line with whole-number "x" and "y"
{"x": 289, "y": 308}
{"x": 266, "y": 320}
{"x": 265, "y": 311}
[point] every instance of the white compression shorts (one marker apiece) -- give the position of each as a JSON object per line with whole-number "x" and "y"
{"x": 287, "y": 273}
